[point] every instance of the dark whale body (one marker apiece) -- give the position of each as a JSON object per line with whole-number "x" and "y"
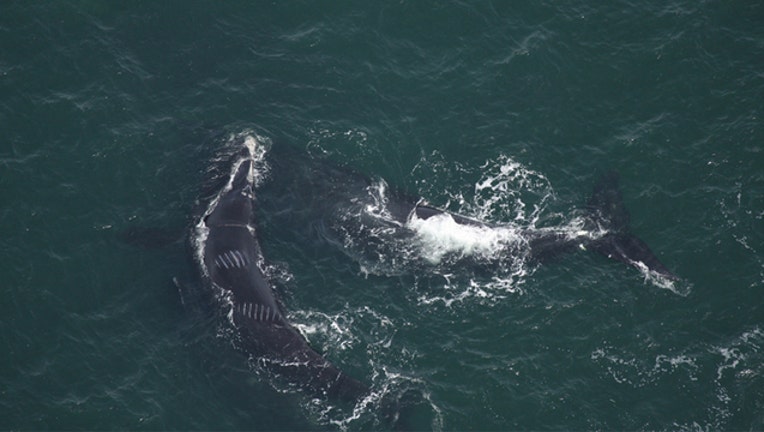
{"x": 231, "y": 260}
{"x": 308, "y": 191}
{"x": 605, "y": 209}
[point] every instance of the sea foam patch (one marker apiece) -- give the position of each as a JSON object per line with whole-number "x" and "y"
{"x": 441, "y": 235}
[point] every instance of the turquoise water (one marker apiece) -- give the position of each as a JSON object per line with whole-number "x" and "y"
{"x": 114, "y": 115}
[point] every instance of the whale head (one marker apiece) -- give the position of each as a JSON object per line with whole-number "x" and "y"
{"x": 234, "y": 207}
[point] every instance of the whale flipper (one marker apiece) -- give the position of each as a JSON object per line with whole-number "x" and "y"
{"x": 150, "y": 237}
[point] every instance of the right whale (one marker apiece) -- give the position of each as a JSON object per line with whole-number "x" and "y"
{"x": 606, "y": 229}
{"x": 230, "y": 258}
{"x": 368, "y": 219}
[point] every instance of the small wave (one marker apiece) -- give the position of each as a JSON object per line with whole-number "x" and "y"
{"x": 729, "y": 366}
{"x": 740, "y": 350}
{"x": 496, "y": 288}
{"x": 639, "y": 373}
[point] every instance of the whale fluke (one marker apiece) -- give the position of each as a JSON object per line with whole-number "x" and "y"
{"x": 605, "y": 208}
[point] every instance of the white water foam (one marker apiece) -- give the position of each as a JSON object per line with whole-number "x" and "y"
{"x": 738, "y": 351}
{"x": 654, "y": 278}
{"x": 639, "y": 373}
{"x": 731, "y": 365}
{"x": 339, "y": 332}
{"x": 377, "y": 208}
{"x": 336, "y": 331}
{"x": 388, "y": 386}
{"x": 441, "y": 235}
{"x": 496, "y": 288}
{"x": 509, "y": 188}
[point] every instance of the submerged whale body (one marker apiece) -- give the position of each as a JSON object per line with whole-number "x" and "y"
{"x": 230, "y": 257}
{"x": 368, "y": 220}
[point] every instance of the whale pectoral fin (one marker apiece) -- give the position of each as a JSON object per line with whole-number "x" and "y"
{"x": 195, "y": 300}
{"x": 182, "y": 290}
{"x": 150, "y": 237}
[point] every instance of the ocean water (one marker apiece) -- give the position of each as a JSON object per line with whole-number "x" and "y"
{"x": 116, "y": 119}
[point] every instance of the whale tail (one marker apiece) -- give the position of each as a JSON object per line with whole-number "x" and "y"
{"x": 605, "y": 209}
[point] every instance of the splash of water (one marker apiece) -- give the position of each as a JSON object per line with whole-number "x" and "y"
{"x": 505, "y": 191}
{"x": 441, "y": 235}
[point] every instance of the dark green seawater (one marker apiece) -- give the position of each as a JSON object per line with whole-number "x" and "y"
{"x": 113, "y": 113}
